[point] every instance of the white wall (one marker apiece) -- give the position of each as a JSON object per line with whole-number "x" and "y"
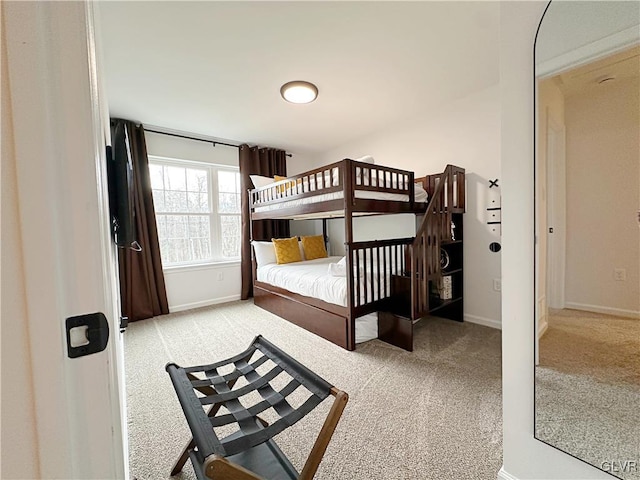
{"x": 19, "y": 439}
{"x": 185, "y": 149}
{"x": 299, "y": 163}
{"x": 306, "y": 227}
{"x": 377, "y": 227}
{"x": 523, "y": 456}
{"x": 463, "y": 133}
{"x": 603, "y": 168}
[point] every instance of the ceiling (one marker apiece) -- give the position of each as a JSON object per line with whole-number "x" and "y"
{"x": 599, "y": 74}
{"x": 569, "y": 26}
{"x": 215, "y": 68}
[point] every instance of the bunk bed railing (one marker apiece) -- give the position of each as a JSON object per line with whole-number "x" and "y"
{"x": 374, "y": 263}
{"x": 327, "y": 179}
{"x": 446, "y": 197}
{"x": 377, "y": 178}
{"x": 331, "y": 178}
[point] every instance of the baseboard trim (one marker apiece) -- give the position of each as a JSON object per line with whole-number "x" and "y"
{"x": 543, "y": 324}
{"x": 542, "y": 306}
{"x": 618, "y": 312}
{"x": 204, "y": 303}
{"x": 487, "y": 322}
{"x": 504, "y": 475}
{"x": 541, "y": 310}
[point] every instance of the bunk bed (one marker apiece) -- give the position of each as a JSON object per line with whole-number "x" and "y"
{"x": 377, "y": 273}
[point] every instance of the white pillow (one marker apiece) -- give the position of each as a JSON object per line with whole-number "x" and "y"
{"x": 340, "y": 269}
{"x": 366, "y": 159}
{"x": 260, "y": 181}
{"x": 420, "y": 193}
{"x": 337, "y": 270}
{"x": 265, "y": 253}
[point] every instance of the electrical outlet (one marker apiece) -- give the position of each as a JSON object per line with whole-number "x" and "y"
{"x": 497, "y": 284}
{"x": 220, "y": 276}
{"x": 619, "y": 274}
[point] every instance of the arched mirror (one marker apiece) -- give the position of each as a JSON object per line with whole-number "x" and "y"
{"x": 587, "y": 373}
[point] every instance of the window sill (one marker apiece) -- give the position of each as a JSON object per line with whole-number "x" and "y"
{"x": 201, "y": 266}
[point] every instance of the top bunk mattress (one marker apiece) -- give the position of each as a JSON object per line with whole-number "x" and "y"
{"x": 420, "y": 197}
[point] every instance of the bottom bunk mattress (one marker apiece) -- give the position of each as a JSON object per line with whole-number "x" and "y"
{"x": 311, "y": 278}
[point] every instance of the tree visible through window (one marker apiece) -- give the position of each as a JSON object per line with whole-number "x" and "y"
{"x": 197, "y": 211}
{"x": 229, "y": 210}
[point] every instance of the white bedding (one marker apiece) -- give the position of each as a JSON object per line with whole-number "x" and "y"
{"x": 420, "y": 196}
{"x": 311, "y": 278}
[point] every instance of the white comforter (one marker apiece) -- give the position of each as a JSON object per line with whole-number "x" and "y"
{"x": 309, "y": 278}
{"x": 312, "y": 278}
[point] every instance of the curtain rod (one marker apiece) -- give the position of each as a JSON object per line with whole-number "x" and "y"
{"x": 214, "y": 142}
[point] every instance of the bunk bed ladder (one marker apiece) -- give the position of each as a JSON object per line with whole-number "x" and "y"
{"x": 411, "y": 296}
{"x": 446, "y": 197}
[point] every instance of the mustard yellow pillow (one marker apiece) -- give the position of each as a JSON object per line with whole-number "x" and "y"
{"x": 314, "y": 247}
{"x": 287, "y": 250}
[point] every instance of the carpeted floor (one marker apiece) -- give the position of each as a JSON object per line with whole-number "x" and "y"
{"x": 433, "y": 414}
{"x": 588, "y": 388}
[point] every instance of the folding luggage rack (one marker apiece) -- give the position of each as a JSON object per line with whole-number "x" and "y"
{"x": 261, "y": 378}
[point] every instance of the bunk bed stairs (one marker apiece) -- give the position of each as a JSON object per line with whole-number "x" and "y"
{"x": 432, "y": 281}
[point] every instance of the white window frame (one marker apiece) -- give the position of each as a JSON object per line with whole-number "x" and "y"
{"x": 215, "y": 226}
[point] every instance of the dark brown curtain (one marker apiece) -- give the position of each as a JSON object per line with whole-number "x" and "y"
{"x": 142, "y": 289}
{"x": 266, "y": 162}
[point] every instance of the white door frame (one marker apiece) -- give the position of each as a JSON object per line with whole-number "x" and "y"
{"x": 69, "y": 262}
{"x": 556, "y": 214}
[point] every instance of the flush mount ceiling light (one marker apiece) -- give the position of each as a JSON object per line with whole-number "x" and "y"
{"x": 299, "y": 92}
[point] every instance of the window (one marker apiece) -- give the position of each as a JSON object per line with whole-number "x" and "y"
{"x": 197, "y": 211}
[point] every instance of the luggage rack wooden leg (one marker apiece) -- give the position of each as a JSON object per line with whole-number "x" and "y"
{"x": 321, "y": 443}
{"x": 219, "y": 468}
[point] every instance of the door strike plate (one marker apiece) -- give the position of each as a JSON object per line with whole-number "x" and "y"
{"x": 96, "y": 329}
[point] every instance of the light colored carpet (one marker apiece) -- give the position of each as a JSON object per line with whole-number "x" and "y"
{"x": 434, "y": 413}
{"x": 588, "y": 388}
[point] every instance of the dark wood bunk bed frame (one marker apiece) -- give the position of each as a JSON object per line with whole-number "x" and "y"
{"x": 403, "y": 294}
